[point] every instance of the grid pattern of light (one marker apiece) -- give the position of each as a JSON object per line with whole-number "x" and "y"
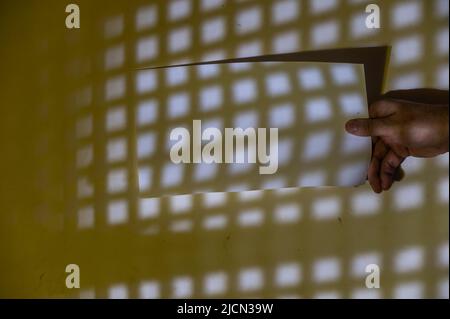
{"x": 299, "y": 243}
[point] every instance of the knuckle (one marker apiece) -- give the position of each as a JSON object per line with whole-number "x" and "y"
{"x": 375, "y": 106}
{"x": 391, "y": 163}
{"x": 389, "y": 167}
{"x": 394, "y": 129}
{"x": 395, "y": 105}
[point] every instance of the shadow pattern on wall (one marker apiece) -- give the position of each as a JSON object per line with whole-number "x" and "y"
{"x": 278, "y": 243}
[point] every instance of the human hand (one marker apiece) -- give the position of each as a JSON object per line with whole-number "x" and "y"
{"x": 401, "y": 128}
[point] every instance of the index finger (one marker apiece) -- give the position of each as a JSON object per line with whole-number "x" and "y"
{"x": 383, "y": 108}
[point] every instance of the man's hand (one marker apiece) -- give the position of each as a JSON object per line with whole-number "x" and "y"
{"x": 400, "y": 128}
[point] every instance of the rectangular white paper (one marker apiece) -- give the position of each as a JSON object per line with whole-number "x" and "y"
{"x": 308, "y": 102}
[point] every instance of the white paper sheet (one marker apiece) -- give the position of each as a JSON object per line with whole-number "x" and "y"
{"x": 308, "y": 103}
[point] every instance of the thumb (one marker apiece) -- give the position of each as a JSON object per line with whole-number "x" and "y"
{"x": 367, "y": 127}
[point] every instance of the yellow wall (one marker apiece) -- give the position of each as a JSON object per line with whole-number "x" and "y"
{"x": 51, "y": 78}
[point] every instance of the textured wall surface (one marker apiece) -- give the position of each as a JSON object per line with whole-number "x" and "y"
{"x": 69, "y": 190}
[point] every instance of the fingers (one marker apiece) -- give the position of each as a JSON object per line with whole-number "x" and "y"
{"x": 389, "y": 169}
{"x": 384, "y": 167}
{"x": 368, "y": 127}
{"x": 378, "y": 123}
{"x": 373, "y": 174}
{"x": 383, "y": 108}
{"x": 399, "y": 174}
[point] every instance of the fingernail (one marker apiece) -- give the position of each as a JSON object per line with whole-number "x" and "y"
{"x": 351, "y": 127}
